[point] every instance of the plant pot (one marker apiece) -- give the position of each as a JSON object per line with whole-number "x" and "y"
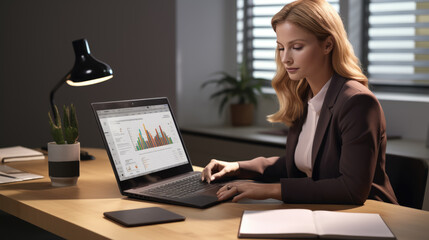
{"x": 242, "y": 114}
{"x": 64, "y": 163}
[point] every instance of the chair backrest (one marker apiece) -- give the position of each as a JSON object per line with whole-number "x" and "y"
{"x": 408, "y": 177}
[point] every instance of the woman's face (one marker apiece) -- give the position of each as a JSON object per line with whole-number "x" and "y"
{"x": 301, "y": 53}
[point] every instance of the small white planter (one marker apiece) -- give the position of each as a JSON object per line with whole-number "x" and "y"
{"x": 64, "y": 163}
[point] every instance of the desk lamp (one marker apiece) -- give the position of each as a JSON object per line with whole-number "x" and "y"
{"x": 86, "y": 71}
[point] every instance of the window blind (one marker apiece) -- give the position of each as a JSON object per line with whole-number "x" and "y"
{"x": 397, "y": 40}
{"x": 256, "y": 41}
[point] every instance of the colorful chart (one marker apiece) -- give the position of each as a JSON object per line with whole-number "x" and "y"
{"x": 160, "y": 139}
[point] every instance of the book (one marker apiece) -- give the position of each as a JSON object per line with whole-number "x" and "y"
{"x": 304, "y": 223}
{"x": 19, "y": 153}
{"x": 10, "y": 174}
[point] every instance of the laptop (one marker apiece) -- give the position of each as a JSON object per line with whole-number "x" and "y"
{"x": 148, "y": 155}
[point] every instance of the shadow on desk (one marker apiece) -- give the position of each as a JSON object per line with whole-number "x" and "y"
{"x": 280, "y": 204}
{"x": 15, "y": 228}
{"x": 218, "y": 212}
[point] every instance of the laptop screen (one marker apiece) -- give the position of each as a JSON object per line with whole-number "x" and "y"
{"x": 142, "y": 139}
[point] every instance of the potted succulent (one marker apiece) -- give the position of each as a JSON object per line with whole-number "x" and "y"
{"x": 64, "y": 152}
{"x": 243, "y": 90}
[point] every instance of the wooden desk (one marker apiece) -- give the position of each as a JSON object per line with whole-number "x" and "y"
{"x": 77, "y": 212}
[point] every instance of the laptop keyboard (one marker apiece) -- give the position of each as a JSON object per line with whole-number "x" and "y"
{"x": 180, "y": 188}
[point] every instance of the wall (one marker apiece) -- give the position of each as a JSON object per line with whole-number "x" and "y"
{"x": 407, "y": 118}
{"x": 205, "y": 45}
{"x": 136, "y": 38}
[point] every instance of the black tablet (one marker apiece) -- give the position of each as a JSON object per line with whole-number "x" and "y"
{"x": 143, "y": 216}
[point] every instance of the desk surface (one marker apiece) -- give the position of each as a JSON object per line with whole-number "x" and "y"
{"x": 76, "y": 212}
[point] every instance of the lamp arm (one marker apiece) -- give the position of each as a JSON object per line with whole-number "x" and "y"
{"x": 51, "y": 96}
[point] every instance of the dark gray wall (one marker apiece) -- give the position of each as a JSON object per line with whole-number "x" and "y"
{"x": 136, "y": 38}
{"x": 206, "y": 44}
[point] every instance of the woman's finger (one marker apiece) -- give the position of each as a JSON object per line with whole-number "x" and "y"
{"x": 226, "y": 195}
{"x": 218, "y": 174}
{"x": 227, "y": 192}
{"x": 206, "y": 173}
{"x": 239, "y": 196}
{"x": 222, "y": 189}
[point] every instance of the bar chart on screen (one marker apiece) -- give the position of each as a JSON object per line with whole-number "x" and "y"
{"x": 154, "y": 139}
{"x": 145, "y": 142}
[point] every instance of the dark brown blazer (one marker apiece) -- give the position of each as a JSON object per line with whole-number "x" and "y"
{"x": 348, "y": 152}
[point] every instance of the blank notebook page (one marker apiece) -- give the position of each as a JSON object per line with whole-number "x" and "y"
{"x": 351, "y": 224}
{"x": 291, "y": 222}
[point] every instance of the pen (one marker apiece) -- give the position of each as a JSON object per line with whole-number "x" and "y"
{"x": 6, "y": 175}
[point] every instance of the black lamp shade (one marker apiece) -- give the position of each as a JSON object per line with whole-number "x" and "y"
{"x": 87, "y": 70}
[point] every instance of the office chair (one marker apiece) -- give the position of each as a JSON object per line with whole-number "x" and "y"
{"x": 408, "y": 177}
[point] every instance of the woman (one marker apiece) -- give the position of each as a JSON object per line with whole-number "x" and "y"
{"x": 336, "y": 144}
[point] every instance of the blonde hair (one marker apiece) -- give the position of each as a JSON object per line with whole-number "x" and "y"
{"x": 321, "y": 19}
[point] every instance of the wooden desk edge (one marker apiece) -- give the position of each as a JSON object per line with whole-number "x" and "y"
{"x": 44, "y": 220}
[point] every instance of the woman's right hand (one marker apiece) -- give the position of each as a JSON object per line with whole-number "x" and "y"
{"x": 217, "y": 169}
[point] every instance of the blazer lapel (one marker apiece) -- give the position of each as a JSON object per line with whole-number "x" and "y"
{"x": 326, "y": 113}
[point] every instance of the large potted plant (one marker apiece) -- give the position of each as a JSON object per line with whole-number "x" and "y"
{"x": 241, "y": 92}
{"x": 64, "y": 152}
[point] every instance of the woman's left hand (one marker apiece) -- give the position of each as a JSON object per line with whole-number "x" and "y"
{"x": 246, "y": 189}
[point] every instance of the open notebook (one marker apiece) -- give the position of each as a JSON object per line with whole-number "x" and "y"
{"x": 304, "y": 223}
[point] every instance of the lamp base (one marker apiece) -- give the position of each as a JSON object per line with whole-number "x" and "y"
{"x": 84, "y": 156}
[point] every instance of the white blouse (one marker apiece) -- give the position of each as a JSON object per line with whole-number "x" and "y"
{"x": 306, "y": 137}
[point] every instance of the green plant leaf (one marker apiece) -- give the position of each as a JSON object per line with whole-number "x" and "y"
{"x": 223, "y": 103}
{"x": 73, "y": 117}
{"x": 57, "y": 116}
{"x": 56, "y": 130}
{"x": 66, "y": 116}
{"x": 252, "y": 97}
{"x": 230, "y": 80}
{"x": 222, "y": 92}
{"x": 209, "y": 82}
{"x": 243, "y": 89}
{"x": 73, "y": 123}
{"x": 68, "y": 133}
